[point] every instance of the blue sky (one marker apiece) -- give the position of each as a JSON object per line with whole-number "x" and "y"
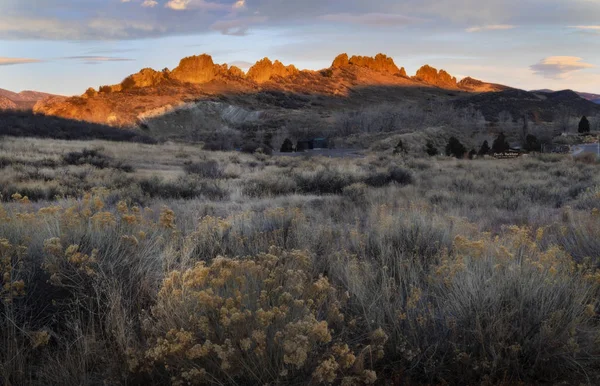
{"x": 65, "y": 46}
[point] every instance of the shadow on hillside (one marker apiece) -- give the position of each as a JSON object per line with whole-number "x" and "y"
{"x": 20, "y": 123}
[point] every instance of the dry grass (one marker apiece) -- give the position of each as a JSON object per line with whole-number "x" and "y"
{"x": 299, "y": 271}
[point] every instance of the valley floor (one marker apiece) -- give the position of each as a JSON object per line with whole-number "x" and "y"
{"x": 127, "y": 263}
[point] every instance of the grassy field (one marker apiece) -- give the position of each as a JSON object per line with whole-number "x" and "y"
{"x": 129, "y": 263}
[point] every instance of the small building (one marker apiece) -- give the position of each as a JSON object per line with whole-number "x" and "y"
{"x": 320, "y": 143}
{"x": 304, "y": 144}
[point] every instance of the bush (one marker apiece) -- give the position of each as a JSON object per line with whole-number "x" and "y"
{"x": 205, "y": 169}
{"x": 266, "y": 320}
{"x": 95, "y": 158}
{"x": 183, "y": 188}
{"x": 324, "y": 181}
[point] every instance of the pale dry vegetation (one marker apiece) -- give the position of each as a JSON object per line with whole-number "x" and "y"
{"x": 166, "y": 264}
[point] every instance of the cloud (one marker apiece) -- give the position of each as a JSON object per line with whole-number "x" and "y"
{"x": 182, "y": 5}
{"x": 4, "y": 61}
{"x": 587, "y": 27}
{"x": 238, "y": 26}
{"x": 138, "y": 19}
{"x": 491, "y": 27}
{"x": 559, "y": 67}
{"x": 90, "y": 59}
{"x": 372, "y": 19}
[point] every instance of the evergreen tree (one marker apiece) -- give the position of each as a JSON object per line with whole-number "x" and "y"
{"x": 500, "y": 144}
{"x": 455, "y": 148}
{"x": 485, "y": 149}
{"x": 287, "y": 146}
{"x": 431, "y": 150}
{"x": 400, "y": 148}
{"x": 472, "y": 153}
{"x": 532, "y": 143}
{"x": 584, "y": 125}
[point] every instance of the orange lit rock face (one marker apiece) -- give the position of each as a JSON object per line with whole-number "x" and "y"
{"x": 198, "y": 77}
{"x": 195, "y": 69}
{"x": 145, "y": 78}
{"x": 264, "y": 70}
{"x": 432, "y": 76}
{"x": 380, "y": 63}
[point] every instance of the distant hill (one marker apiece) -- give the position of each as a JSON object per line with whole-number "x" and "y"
{"x": 21, "y": 100}
{"x": 585, "y": 95}
{"x": 538, "y": 105}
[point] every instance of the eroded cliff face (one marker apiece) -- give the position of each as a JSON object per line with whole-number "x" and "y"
{"x": 432, "y": 76}
{"x": 265, "y": 70}
{"x": 380, "y": 63}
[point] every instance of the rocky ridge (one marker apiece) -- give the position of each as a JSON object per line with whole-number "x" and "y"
{"x": 199, "y": 78}
{"x": 432, "y": 76}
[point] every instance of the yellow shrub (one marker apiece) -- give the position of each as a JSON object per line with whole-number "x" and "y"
{"x": 259, "y": 320}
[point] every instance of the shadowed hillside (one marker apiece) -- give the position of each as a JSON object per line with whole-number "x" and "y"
{"x": 20, "y": 123}
{"x": 537, "y": 106}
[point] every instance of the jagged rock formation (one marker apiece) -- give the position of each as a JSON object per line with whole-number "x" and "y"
{"x": 340, "y": 61}
{"x": 432, "y": 76}
{"x": 196, "y": 69}
{"x": 268, "y": 83}
{"x": 147, "y": 77}
{"x": 264, "y": 70}
{"x": 380, "y": 63}
{"x": 236, "y": 72}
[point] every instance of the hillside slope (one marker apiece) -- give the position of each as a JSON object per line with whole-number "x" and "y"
{"x": 22, "y": 100}
{"x": 537, "y": 106}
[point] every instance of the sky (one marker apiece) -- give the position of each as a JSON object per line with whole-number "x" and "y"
{"x": 66, "y": 46}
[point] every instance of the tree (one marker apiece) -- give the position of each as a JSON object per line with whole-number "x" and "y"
{"x": 455, "y": 148}
{"x": 287, "y": 147}
{"x": 431, "y": 150}
{"x": 532, "y": 143}
{"x": 485, "y": 149}
{"x": 500, "y": 144}
{"x": 505, "y": 119}
{"x": 472, "y": 153}
{"x": 400, "y": 148}
{"x": 584, "y": 125}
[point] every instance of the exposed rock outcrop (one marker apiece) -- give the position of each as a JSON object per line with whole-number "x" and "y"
{"x": 432, "y": 76}
{"x": 264, "y": 70}
{"x": 236, "y": 72}
{"x": 380, "y": 63}
{"x": 340, "y": 61}
{"x": 145, "y": 78}
{"x": 196, "y": 69}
